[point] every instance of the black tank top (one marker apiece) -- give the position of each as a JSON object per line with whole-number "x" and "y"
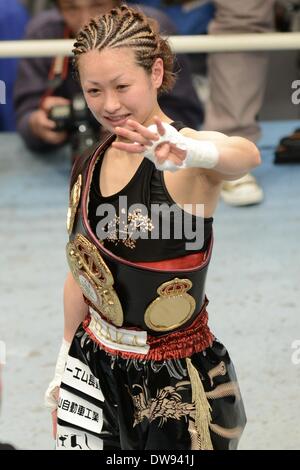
{"x": 137, "y": 224}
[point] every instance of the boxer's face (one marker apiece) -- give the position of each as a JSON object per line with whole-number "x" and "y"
{"x": 116, "y": 88}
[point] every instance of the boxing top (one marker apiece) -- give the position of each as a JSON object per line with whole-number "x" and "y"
{"x": 156, "y": 298}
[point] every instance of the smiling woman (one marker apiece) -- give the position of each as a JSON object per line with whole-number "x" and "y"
{"x": 136, "y": 65}
{"x": 142, "y": 368}
{"x": 118, "y": 94}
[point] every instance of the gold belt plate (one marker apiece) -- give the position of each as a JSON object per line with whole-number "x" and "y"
{"x": 73, "y": 203}
{"x": 95, "y": 278}
{"x": 173, "y": 308}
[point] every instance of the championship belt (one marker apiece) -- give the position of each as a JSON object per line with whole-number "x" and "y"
{"x": 124, "y": 293}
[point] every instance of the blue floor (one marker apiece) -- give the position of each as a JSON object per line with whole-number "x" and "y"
{"x": 253, "y": 287}
{"x": 254, "y": 284}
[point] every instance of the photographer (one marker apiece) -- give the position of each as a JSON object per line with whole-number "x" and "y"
{"x": 44, "y": 83}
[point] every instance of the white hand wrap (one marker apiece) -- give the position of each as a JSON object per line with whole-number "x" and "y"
{"x": 200, "y": 153}
{"x": 51, "y": 395}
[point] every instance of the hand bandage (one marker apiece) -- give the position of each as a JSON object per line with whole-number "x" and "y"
{"x": 200, "y": 153}
{"x": 51, "y": 395}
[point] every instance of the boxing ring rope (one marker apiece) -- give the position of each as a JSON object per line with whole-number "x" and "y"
{"x": 190, "y": 44}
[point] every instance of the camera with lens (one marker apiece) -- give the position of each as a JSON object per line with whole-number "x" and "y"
{"x": 76, "y": 119}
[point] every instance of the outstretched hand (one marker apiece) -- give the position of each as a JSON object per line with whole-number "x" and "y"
{"x": 140, "y": 137}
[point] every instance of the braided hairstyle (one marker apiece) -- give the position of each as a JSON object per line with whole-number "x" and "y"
{"x": 127, "y": 27}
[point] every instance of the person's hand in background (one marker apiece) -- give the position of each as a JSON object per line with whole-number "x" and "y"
{"x": 42, "y": 126}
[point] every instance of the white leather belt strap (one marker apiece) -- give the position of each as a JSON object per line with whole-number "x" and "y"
{"x": 119, "y": 339}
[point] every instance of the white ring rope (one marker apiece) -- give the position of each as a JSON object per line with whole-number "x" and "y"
{"x": 191, "y": 44}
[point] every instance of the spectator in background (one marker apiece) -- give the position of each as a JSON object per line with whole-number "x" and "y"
{"x": 13, "y": 19}
{"x": 237, "y": 85}
{"x": 35, "y": 95}
{"x": 35, "y": 6}
{"x": 226, "y": 110}
{"x": 190, "y": 17}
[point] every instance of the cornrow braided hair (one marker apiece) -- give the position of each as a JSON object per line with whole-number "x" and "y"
{"x": 127, "y": 27}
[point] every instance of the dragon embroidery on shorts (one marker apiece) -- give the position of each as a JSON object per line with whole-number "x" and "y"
{"x": 167, "y": 404}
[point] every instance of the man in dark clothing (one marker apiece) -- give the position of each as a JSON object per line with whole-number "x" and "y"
{"x": 35, "y": 94}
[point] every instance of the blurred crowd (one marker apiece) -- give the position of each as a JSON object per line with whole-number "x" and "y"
{"x": 44, "y": 103}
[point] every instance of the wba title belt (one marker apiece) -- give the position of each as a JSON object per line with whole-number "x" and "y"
{"x": 125, "y": 293}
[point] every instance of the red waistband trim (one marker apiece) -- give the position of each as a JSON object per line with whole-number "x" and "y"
{"x": 176, "y": 345}
{"x": 188, "y": 261}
